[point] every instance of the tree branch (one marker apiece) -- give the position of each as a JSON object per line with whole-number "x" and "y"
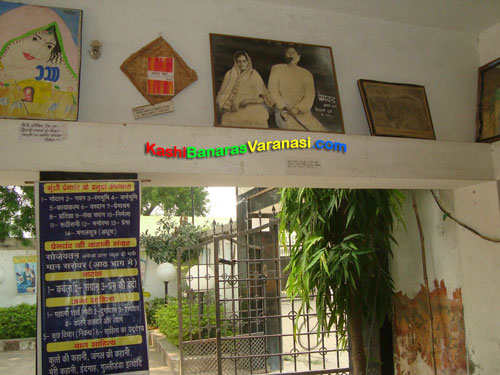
{"x": 484, "y": 237}
{"x": 426, "y": 279}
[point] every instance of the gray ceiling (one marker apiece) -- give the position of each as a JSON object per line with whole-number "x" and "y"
{"x": 470, "y": 16}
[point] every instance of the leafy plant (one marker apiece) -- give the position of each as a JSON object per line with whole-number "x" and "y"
{"x": 151, "y": 310}
{"x": 341, "y": 252}
{"x": 177, "y": 198}
{"x": 162, "y": 246}
{"x": 196, "y": 326}
{"x": 17, "y": 212}
{"x": 18, "y": 322}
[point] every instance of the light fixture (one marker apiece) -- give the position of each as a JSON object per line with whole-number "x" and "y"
{"x": 166, "y": 272}
{"x": 95, "y": 49}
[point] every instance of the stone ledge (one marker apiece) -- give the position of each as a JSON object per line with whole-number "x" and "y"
{"x": 168, "y": 352}
{"x": 18, "y": 344}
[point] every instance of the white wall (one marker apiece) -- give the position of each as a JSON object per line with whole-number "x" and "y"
{"x": 480, "y": 259}
{"x": 444, "y": 62}
{"x": 442, "y": 254}
{"x": 489, "y": 44}
{"x": 478, "y": 206}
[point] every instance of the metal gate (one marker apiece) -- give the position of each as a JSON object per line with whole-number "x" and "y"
{"x": 234, "y": 314}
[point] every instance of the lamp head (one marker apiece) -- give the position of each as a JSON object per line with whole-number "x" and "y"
{"x": 166, "y": 272}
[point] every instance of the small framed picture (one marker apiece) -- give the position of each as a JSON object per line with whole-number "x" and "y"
{"x": 396, "y": 109}
{"x": 268, "y": 84}
{"x": 488, "y": 102}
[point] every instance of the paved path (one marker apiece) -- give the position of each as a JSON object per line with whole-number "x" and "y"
{"x": 18, "y": 362}
{"x": 23, "y": 363}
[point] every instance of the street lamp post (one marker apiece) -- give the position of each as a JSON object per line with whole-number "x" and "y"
{"x": 166, "y": 272}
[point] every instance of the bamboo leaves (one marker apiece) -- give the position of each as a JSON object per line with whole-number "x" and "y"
{"x": 341, "y": 250}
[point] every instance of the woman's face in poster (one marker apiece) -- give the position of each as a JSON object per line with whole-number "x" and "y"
{"x": 34, "y": 49}
{"x": 242, "y": 63}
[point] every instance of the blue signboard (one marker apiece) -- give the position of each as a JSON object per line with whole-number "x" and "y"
{"x": 91, "y": 316}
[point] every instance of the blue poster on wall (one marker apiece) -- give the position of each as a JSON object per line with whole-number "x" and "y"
{"x": 25, "y": 269}
{"x": 91, "y": 315}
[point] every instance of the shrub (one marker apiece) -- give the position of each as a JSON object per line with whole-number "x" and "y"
{"x": 18, "y": 322}
{"x": 195, "y": 327}
{"x": 151, "y": 309}
{"x": 162, "y": 246}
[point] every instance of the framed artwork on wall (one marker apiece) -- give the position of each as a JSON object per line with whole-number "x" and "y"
{"x": 270, "y": 84}
{"x": 396, "y": 109}
{"x": 40, "y": 50}
{"x": 488, "y": 102}
{"x": 158, "y": 72}
{"x": 25, "y": 270}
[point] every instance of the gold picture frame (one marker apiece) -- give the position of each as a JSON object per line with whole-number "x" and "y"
{"x": 488, "y": 102}
{"x": 396, "y": 109}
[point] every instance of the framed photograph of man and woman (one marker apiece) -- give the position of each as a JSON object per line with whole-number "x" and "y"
{"x": 268, "y": 84}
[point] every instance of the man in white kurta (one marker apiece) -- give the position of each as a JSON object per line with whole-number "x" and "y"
{"x": 292, "y": 88}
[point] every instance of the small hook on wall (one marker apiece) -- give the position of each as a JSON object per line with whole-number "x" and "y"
{"x": 95, "y": 49}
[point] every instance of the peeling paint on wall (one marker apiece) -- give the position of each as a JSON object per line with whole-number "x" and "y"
{"x": 413, "y": 350}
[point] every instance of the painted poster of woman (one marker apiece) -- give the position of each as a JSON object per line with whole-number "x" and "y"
{"x": 25, "y": 269}
{"x": 39, "y": 62}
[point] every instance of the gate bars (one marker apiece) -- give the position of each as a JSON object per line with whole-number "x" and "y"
{"x": 234, "y": 315}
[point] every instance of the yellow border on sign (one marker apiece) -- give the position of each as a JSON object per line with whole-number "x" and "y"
{"x": 94, "y": 343}
{"x": 91, "y": 299}
{"x": 91, "y": 274}
{"x": 98, "y": 243}
{"x": 25, "y": 259}
{"x": 88, "y": 187}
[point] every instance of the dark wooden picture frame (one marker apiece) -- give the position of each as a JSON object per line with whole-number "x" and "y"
{"x": 488, "y": 102}
{"x": 396, "y": 109}
{"x": 268, "y": 84}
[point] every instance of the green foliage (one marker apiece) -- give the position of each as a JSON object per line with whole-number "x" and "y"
{"x": 195, "y": 326}
{"x": 17, "y": 212}
{"x": 151, "y": 310}
{"x": 341, "y": 250}
{"x": 18, "y": 322}
{"x": 162, "y": 246}
{"x": 177, "y": 199}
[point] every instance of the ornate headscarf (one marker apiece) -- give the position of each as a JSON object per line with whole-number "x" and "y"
{"x": 229, "y": 89}
{"x": 26, "y": 19}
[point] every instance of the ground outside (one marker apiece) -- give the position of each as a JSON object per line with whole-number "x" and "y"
{"x": 22, "y": 362}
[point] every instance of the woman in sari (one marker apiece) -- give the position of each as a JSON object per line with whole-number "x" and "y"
{"x": 242, "y": 95}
